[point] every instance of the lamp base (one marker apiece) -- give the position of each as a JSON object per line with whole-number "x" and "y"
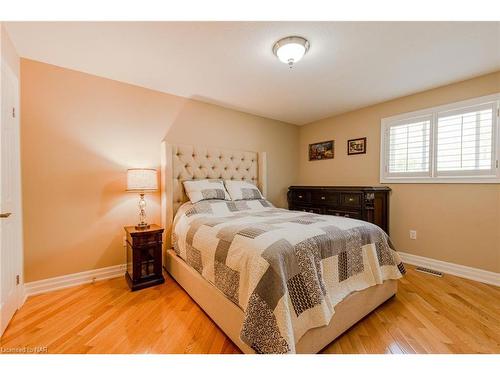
{"x": 142, "y": 226}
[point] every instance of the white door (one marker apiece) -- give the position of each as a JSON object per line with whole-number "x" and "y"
{"x": 10, "y": 199}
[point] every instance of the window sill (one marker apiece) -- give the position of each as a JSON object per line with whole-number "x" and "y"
{"x": 440, "y": 180}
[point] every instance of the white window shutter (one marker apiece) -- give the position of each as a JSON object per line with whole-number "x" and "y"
{"x": 465, "y": 141}
{"x": 452, "y": 143}
{"x": 408, "y": 147}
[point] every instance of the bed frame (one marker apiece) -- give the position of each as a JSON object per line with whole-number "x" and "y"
{"x": 186, "y": 162}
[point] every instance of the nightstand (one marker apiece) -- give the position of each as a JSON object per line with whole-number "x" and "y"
{"x": 144, "y": 265}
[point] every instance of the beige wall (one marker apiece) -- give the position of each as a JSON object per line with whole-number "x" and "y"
{"x": 79, "y": 135}
{"x": 457, "y": 223}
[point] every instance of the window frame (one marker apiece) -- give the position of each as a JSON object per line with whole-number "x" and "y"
{"x": 433, "y": 113}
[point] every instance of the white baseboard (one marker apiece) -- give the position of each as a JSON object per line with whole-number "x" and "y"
{"x": 80, "y": 278}
{"x": 24, "y": 296}
{"x": 466, "y": 272}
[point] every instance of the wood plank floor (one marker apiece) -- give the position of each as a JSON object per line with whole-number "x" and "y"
{"x": 428, "y": 315}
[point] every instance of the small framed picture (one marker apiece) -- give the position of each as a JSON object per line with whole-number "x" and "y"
{"x": 321, "y": 150}
{"x": 356, "y": 146}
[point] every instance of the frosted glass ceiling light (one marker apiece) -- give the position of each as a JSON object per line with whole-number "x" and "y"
{"x": 291, "y": 49}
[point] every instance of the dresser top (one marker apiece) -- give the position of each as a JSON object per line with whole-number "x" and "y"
{"x": 337, "y": 187}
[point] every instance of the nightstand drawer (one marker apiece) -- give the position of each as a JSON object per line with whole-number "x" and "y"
{"x": 145, "y": 239}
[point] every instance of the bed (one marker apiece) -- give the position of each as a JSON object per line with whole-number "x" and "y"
{"x": 275, "y": 281}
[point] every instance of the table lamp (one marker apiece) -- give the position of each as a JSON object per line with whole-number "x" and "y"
{"x": 142, "y": 180}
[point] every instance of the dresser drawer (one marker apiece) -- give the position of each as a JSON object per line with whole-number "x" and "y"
{"x": 301, "y": 196}
{"x": 351, "y": 199}
{"x": 349, "y": 214}
{"x": 325, "y": 197}
{"x": 313, "y": 210}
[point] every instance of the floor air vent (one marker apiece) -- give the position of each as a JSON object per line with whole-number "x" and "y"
{"x": 429, "y": 271}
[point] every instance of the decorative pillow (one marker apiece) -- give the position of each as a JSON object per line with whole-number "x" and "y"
{"x": 242, "y": 190}
{"x": 199, "y": 190}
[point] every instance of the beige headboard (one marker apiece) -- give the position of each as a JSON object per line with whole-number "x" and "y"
{"x": 189, "y": 162}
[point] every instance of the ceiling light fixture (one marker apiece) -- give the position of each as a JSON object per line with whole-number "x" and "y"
{"x": 291, "y": 49}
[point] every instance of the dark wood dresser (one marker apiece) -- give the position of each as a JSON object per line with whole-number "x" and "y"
{"x": 369, "y": 203}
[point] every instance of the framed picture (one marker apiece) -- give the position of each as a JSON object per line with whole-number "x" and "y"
{"x": 356, "y": 146}
{"x": 321, "y": 150}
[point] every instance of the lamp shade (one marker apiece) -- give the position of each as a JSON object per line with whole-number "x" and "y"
{"x": 142, "y": 179}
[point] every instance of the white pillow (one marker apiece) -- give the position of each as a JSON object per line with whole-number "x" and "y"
{"x": 199, "y": 190}
{"x": 242, "y": 190}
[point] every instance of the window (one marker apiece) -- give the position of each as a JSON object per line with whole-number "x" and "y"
{"x": 452, "y": 143}
{"x": 409, "y": 142}
{"x": 465, "y": 141}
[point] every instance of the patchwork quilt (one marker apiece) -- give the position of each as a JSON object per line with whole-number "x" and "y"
{"x": 286, "y": 269}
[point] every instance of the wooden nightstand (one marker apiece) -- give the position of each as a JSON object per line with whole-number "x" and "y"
{"x": 144, "y": 266}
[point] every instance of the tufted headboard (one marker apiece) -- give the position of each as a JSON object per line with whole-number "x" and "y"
{"x": 189, "y": 162}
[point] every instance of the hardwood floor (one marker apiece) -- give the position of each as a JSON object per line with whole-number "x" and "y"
{"x": 428, "y": 315}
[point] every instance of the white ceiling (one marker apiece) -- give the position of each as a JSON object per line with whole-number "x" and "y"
{"x": 350, "y": 64}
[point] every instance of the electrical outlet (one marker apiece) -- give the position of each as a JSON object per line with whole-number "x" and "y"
{"x": 124, "y": 241}
{"x": 413, "y": 234}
